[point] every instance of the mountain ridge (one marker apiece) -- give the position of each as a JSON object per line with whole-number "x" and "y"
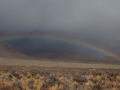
{"x": 80, "y": 58}
{"x": 7, "y": 50}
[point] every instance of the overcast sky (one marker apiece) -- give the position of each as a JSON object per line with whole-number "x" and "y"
{"x": 95, "y": 19}
{"x": 96, "y": 15}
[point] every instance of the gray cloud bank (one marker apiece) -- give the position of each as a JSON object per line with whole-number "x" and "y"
{"x": 18, "y": 15}
{"x": 97, "y": 21}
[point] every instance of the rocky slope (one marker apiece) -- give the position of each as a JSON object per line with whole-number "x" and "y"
{"x": 7, "y": 50}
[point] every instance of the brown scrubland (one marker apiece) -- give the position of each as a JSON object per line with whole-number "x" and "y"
{"x": 58, "y": 78}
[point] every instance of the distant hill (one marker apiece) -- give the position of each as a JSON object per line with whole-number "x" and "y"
{"x": 7, "y": 50}
{"x": 77, "y": 58}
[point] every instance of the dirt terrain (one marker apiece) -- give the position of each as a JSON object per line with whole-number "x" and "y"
{"x": 48, "y": 63}
{"x": 28, "y": 74}
{"x": 53, "y": 78}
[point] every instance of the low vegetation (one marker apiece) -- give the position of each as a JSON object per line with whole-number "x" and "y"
{"x": 52, "y": 78}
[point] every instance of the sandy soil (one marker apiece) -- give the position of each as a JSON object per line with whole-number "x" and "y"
{"x": 47, "y": 63}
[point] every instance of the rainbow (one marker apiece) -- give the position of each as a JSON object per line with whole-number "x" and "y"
{"x": 63, "y": 39}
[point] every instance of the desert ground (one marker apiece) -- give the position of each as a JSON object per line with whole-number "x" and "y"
{"x": 24, "y": 74}
{"x": 48, "y": 63}
{"x": 58, "y": 78}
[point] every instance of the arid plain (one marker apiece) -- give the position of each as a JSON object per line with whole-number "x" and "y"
{"x": 26, "y": 74}
{"x": 22, "y": 72}
{"x": 48, "y": 63}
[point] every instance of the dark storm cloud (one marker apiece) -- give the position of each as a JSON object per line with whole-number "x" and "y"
{"x": 96, "y": 21}
{"x": 21, "y": 15}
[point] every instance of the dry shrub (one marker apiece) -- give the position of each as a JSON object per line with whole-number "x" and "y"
{"x": 33, "y": 78}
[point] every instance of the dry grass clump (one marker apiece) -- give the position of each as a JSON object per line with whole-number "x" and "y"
{"x": 9, "y": 82}
{"x": 41, "y": 78}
